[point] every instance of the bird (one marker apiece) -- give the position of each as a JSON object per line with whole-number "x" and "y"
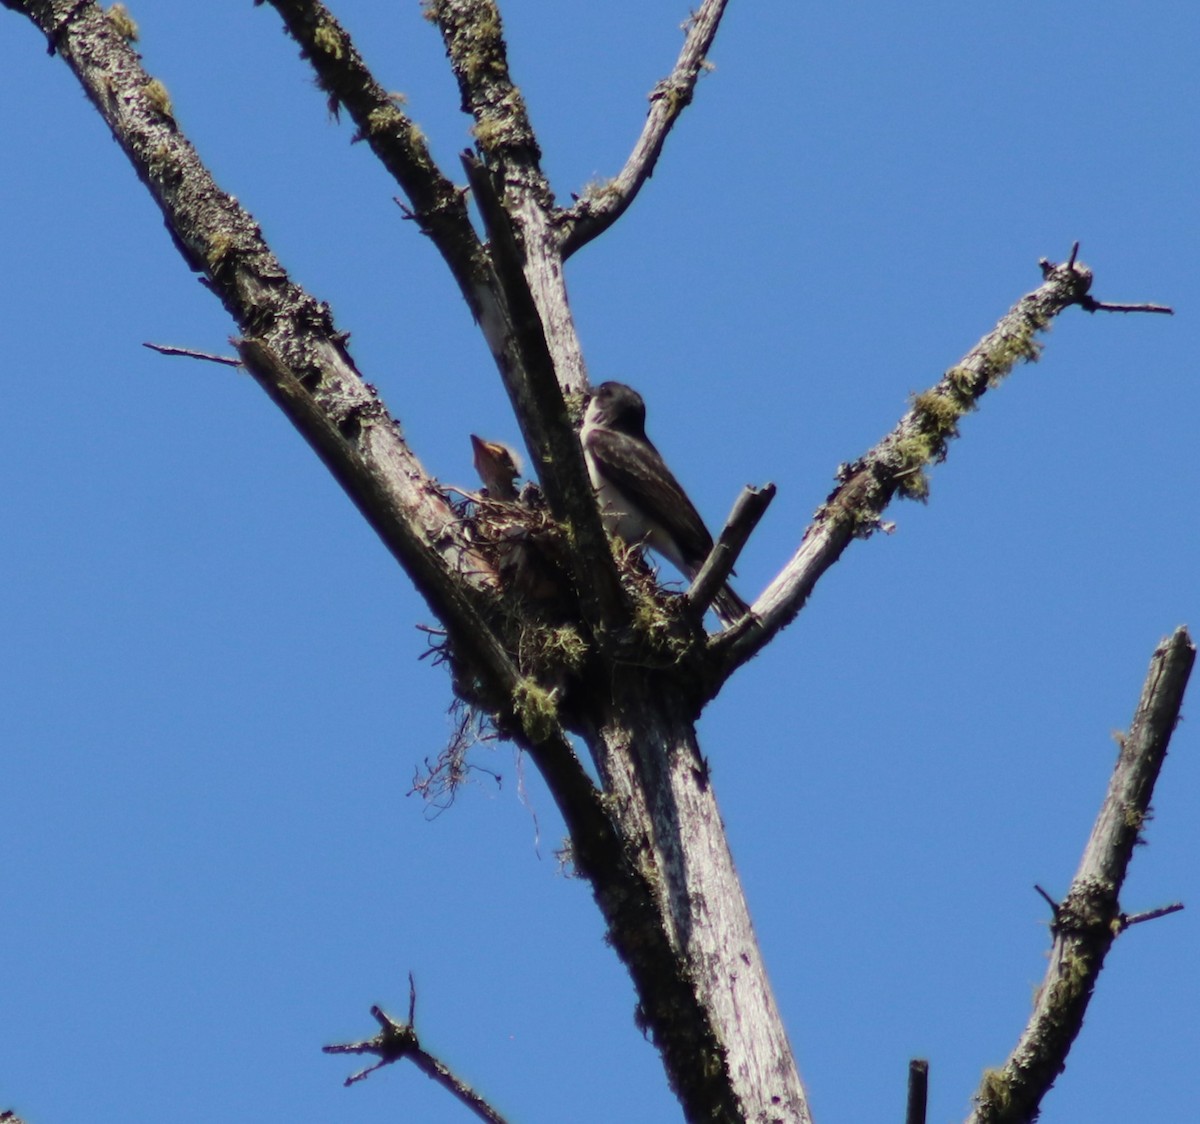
{"x": 640, "y": 499}
{"x": 526, "y": 556}
{"x": 497, "y": 467}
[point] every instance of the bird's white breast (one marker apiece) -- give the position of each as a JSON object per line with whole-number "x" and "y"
{"x": 623, "y": 518}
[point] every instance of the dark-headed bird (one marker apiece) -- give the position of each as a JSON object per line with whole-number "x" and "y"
{"x": 640, "y": 500}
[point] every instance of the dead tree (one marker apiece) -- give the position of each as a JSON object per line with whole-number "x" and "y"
{"x": 589, "y": 651}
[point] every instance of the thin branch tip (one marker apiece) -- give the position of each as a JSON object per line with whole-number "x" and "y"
{"x": 1055, "y": 908}
{"x": 597, "y": 210}
{"x": 1090, "y": 304}
{"x": 190, "y": 353}
{"x": 1089, "y": 918}
{"x": 1126, "y": 920}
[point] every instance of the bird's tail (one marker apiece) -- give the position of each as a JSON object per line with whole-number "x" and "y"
{"x": 728, "y": 606}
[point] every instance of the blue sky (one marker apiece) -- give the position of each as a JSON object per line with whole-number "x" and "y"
{"x": 211, "y": 705}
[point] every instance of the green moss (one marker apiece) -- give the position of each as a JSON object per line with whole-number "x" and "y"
{"x": 961, "y": 380}
{"x": 487, "y": 49}
{"x": 118, "y": 15}
{"x": 384, "y": 118}
{"x": 938, "y": 412}
{"x": 564, "y": 647}
{"x": 597, "y": 191}
{"x": 996, "y": 1090}
{"x": 327, "y": 38}
{"x": 1017, "y": 346}
{"x": 536, "y": 709}
{"x": 490, "y": 131}
{"x": 576, "y": 403}
{"x": 1133, "y": 818}
{"x": 156, "y": 94}
{"x": 219, "y": 245}
{"x": 914, "y": 485}
{"x": 674, "y": 99}
{"x": 915, "y": 450}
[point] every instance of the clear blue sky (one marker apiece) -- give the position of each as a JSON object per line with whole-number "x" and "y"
{"x": 211, "y": 706}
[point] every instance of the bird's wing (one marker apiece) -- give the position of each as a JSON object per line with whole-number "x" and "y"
{"x": 636, "y": 469}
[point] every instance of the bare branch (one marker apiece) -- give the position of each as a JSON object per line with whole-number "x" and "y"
{"x": 477, "y": 49}
{"x": 189, "y": 353}
{"x": 474, "y": 38}
{"x": 1149, "y": 915}
{"x": 719, "y": 1031}
{"x": 1090, "y": 305}
{"x": 291, "y": 345}
{"x": 748, "y": 509}
{"x": 599, "y": 208}
{"x": 899, "y": 462}
{"x": 399, "y": 1040}
{"x": 918, "y": 1091}
{"x": 1089, "y": 919}
{"x": 1048, "y": 900}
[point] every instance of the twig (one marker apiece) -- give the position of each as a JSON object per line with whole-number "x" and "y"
{"x": 292, "y": 345}
{"x": 399, "y": 1040}
{"x": 1089, "y": 919}
{"x": 1088, "y": 304}
{"x": 748, "y": 509}
{"x": 166, "y": 349}
{"x": 918, "y": 1091}
{"x": 899, "y": 462}
{"x": 601, "y": 207}
{"x": 1049, "y": 900}
{"x": 1150, "y": 915}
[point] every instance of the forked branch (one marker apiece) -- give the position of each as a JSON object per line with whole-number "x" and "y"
{"x": 601, "y": 206}
{"x": 291, "y": 330}
{"x": 396, "y": 1041}
{"x": 899, "y": 463}
{"x": 1089, "y": 919}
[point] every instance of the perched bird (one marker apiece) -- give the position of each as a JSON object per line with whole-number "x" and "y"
{"x": 497, "y": 467}
{"x": 640, "y": 500}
